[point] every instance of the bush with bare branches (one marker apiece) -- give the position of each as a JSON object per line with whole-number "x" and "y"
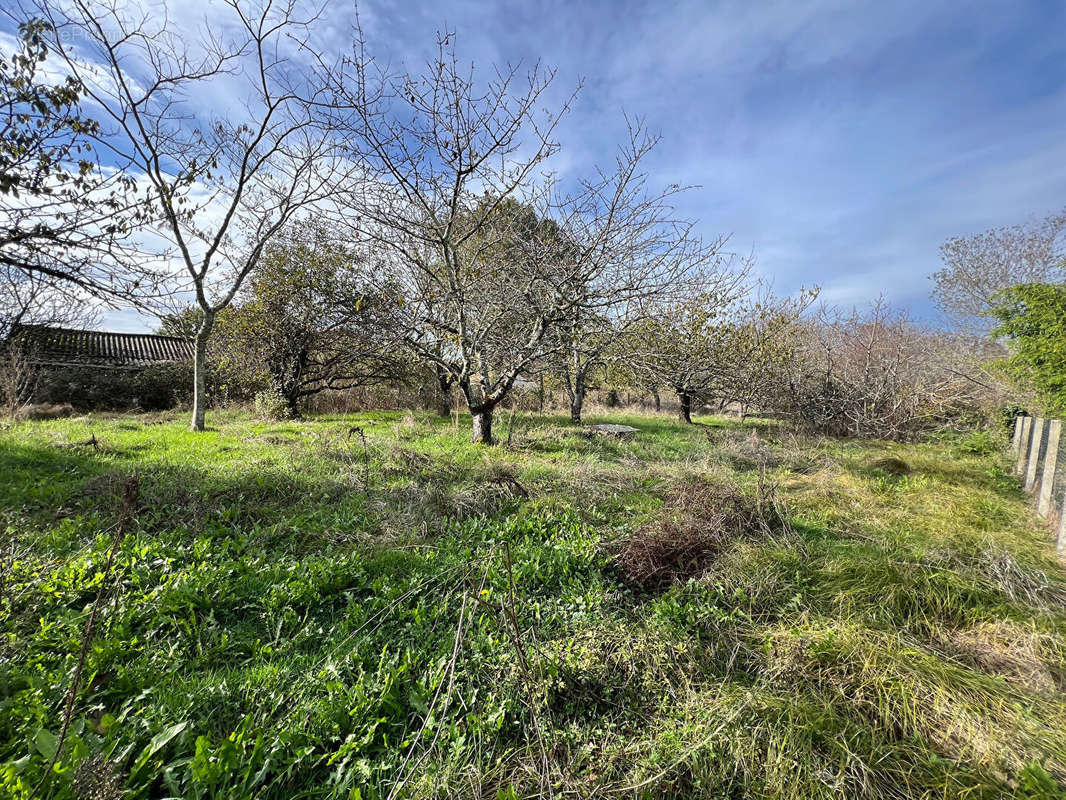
{"x": 18, "y": 378}
{"x": 879, "y": 374}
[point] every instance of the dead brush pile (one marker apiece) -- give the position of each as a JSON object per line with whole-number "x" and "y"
{"x": 698, "y": 521}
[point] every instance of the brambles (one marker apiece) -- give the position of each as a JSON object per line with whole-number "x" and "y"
{"x": 697, "y": 522}
{"x": 880, "y": 375}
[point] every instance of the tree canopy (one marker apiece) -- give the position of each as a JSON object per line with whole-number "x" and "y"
{"x": 1032, "y": 318}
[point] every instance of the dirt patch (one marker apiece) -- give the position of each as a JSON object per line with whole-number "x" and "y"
{"x": 698, "y": 520}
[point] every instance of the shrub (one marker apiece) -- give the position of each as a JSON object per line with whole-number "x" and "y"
{"x": 880, "y": 375}
{"x": 1033, "y": 318}
{"x": 269, "y": 404}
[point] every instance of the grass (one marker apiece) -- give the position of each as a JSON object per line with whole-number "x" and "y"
{"x": 463, "y": 625}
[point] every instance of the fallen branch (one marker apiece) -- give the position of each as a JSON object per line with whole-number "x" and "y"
{"x": 90, "y": 442}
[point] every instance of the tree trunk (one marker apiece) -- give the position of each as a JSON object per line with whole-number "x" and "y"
{"x": 482, "y": 424}
{"x": 445, "y": 384}
{"x": 658, "y": 400}
{"x": 685, "y": 411}
{"x": 199, "y": 366}
{"x": 292, "y": 402}
{"x": 577, "y": 400}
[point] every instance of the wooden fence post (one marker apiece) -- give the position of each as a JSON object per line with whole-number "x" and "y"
{"x": 1023, "y": 445}
{"x": 1051, "y": 479}
{"x": 1037, "y": 443}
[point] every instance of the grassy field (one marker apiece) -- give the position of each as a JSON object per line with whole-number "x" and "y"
{"x": 717, "y": 611}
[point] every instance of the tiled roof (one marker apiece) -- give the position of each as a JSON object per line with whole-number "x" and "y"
{"x": 47, "y": 345}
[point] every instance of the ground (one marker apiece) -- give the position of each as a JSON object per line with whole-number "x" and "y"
{"x": 715, "y": 611}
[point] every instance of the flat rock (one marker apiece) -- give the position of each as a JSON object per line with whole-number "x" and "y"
{"x": 622, "y": 431}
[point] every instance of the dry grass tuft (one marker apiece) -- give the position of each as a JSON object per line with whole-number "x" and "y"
{"x": 404, "y": 461}
{"x": 697, "y": 522}
{"x": 1005, "y": 650}
{"x": 891, "y": 465}
{"x": 741, "y": 450}
{"x": 895, "y": 685}
{"x": 40, "y": 411}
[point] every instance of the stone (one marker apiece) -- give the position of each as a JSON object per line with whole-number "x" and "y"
{"x": 621, "y": 431}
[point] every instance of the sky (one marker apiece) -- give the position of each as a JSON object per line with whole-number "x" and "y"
{"x": 840, "y": 142}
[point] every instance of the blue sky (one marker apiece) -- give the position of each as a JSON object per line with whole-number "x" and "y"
{"x": 841, "y": 142}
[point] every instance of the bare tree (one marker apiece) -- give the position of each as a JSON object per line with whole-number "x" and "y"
{"x": 223, "y": 187}
{"x": 978, "y": 267}
{"x": 626, "y": 254}
{"x": 761, "y": 345}
{"x": 711, "y": 344}
{"x": 31, "y": 298}
{"x": 18, "y": 376}
{"x": 447, "y": 200}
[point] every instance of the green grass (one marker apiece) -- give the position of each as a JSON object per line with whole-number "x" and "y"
{"x": 274, "y": 628}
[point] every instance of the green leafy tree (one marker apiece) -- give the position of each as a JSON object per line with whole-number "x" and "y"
{"x": 313, "y": 319}
{"x": 182, "y": 323}
{"x": 1032, "y": 318}
{"x": 65, "y": 222}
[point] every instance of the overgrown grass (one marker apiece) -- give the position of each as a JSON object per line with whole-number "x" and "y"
{"x": 294, "y": 618}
